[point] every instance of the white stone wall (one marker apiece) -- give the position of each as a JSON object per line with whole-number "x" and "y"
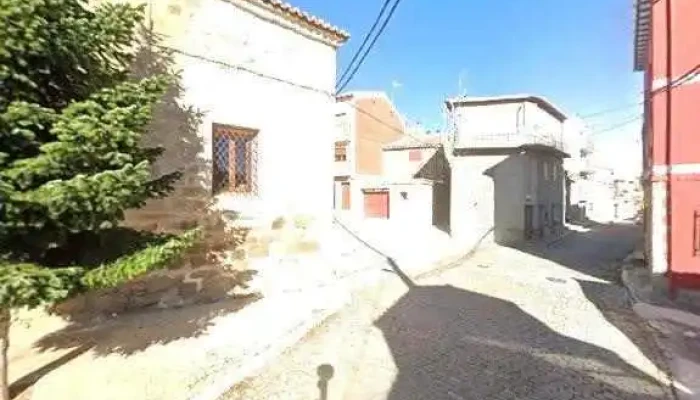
{"x": 489, "y": 194}
{"x": 540, "y": 121}
{"x": 411, "y": 204}
{"x": 486, "y": 119}
{"x": 495, "y": 125}
{"x": 345, "y": 130}
{"x": 295, "y": 122}
{"x": 472, "y": 197}
{"x": 398, "y": 166}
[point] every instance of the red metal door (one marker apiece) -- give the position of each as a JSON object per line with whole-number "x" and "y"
{"x": 377, "y": 204}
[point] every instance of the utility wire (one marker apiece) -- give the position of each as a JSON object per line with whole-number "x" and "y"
{"x": 290, "y": 83}
{"x": 369, "y": 48}
{"x": 365, "y": 40}
{"x": 610, "y": 110}
{"x": 333, "y": 95}
{"x": 618, "y": 125}
{"x": 687, "y": 76}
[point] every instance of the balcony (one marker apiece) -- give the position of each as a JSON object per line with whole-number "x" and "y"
{"x": 525, "y": 137}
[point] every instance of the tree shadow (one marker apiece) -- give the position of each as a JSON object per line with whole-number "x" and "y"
{"x": 174, "y": 130}
{"x": 614, "y": 307}
{"x": 448, "y": 342}
{"x": 20, "y": 386}
{"x": 136, "y": 331}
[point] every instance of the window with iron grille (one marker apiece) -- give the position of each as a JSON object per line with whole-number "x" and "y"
{"x": 235, "y": 155}
{"x": 341, "y": 151}
{"x": 415, "y": 155}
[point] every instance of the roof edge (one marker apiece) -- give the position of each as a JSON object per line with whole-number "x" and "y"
{"x": 295, "y": 15}
{"x": 547, "y": 105}
{"x": 642, "y": 30}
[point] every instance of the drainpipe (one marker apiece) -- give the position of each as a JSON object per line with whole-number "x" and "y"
{"x": 669, "y": 109}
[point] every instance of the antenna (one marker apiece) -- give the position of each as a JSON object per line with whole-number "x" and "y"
{"x": 461, "y": 91}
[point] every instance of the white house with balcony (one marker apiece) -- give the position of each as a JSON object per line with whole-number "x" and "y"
{"x": 507, "y": 175}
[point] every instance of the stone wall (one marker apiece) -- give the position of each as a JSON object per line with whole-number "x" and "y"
{"x": 218, "y": 269}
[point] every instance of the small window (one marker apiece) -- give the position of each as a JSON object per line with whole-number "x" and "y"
{"x": 341, "y": 151}
{"x": 545, "y": 170}
{"x": 234, "y": 159}
{"x": 415, "y": 155}
{"x": 555, "y": 171}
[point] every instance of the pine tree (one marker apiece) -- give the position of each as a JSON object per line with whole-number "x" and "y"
{"x": 71, "y": 162}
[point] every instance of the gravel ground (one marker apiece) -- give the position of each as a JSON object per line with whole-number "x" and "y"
{"x": 535, "y": 323}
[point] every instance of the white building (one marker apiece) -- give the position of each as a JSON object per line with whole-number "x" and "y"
{"x": 507, "y": 179}
{"x": 578, "y": 145}
{"x": 260, "y": 74}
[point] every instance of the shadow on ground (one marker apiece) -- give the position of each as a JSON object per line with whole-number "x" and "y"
{"x": 174, "y": 131}
{"x": 451, "y": 343}
{"x": 596, "y": 251}
{"x": 128, "y": 334}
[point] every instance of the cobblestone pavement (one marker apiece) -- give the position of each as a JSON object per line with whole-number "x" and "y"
{"x": 539, "y": 323}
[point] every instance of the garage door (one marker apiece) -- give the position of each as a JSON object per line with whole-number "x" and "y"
{"x": 377, "y": 204}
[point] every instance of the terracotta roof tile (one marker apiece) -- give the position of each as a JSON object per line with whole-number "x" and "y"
{"x": 306, "y": 18}
{"x": 414, "y": 142}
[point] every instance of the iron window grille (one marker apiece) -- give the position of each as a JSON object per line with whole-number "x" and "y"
{"x": 341, "y": 151}
{"x": 235, "y": 159}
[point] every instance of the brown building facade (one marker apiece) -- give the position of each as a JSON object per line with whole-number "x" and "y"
{"x": 365, "y": 123}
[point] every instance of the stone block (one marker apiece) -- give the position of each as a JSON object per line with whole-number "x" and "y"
{"x": 160, "y": 283}
{"x": 205, "y": 273}
{"x": 107, "y": 303}
{"x": 258, "y": 250}
{"x": 303, "y": 247}
{"x": 239, "y": 254}
{"x": 216, "y": 288}
{"x": 278, "y": 223}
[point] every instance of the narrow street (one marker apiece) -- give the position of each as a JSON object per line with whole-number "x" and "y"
{"x": 538, "y": 323}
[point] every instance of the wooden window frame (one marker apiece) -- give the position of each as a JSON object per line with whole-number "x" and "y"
{"x": 232, "y": 133}
{"x": 341, "y": 156}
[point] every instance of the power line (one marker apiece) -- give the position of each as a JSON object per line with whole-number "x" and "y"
{"x": 685, "y": 77}
{"x": 611, "y": 110}
{"x": 369, "y": 48}
{"x": 290, "y": 83}
{"x": 618, "y": 125}
{"x": 365, "y": 40}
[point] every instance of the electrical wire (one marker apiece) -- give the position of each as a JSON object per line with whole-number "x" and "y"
{"x": 365, "y": 40}
{"x": 617, "y": 125}
{"x": 369, "y": 48}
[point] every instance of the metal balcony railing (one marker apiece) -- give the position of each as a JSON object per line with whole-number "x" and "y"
{"x": 510, "y": 139}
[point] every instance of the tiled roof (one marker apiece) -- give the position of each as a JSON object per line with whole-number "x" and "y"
{"x": 539, "y": 100}
{"x": 414, "y": 142}
{"x": 642, "y": 30}
{"x": 300, "y": 16}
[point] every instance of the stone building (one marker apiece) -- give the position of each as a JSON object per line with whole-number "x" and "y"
{"x": 250, "y": 121}
{"x": 507, "y": 176}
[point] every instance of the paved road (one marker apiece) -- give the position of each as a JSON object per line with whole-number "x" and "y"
{"x": 537, "y": 323}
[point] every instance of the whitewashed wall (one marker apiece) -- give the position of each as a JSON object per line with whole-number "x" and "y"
{"x": 296, "y": 125}
{"x": 541, "y": 121}
{"x": 485, "y": 119}
{"x": 398, "y": 166}
{"x": 411, "y": 204}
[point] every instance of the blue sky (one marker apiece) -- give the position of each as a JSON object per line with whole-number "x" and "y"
{"x": 576, "y": 53}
